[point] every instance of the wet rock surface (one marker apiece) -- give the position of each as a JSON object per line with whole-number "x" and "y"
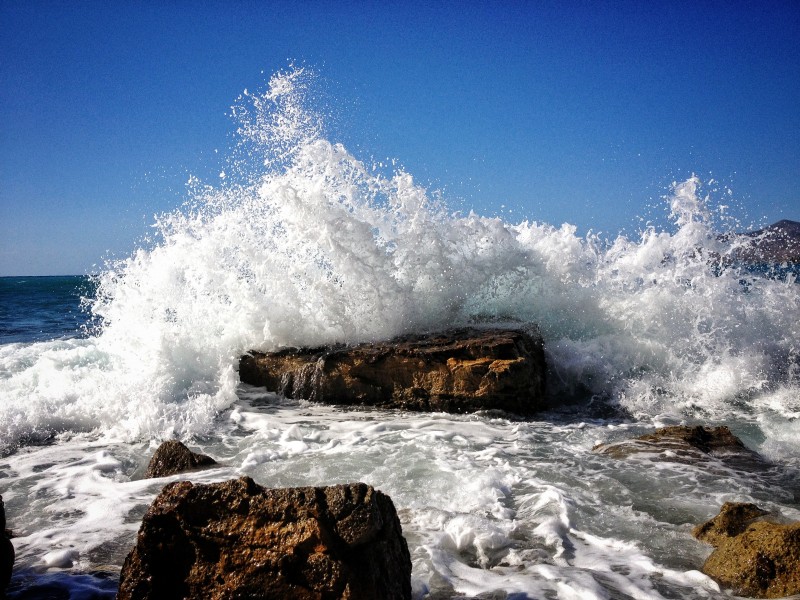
{"x": 683, "y": 443}
{"x": 236, "y": 539}
{"x": 173, "y": 457}
{"x": 732, "y": 520}
{"x": 462, "y": 370}
{"x": 753, "y": 556}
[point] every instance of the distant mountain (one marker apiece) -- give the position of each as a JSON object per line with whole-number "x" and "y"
{"x": 777, "y": 243}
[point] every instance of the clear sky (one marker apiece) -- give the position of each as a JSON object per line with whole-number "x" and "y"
{"x": 579, "y": 112}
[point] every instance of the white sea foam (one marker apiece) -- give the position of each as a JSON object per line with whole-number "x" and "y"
{"x": 303, "y": 244}
{"x": 488, "y": 505}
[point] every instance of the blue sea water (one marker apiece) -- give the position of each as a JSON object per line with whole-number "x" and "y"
{"x": 43, "y": 308}
{"x": 317, "y": 247}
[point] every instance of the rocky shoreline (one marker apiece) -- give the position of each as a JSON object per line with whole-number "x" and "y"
{"x": 237, "y": 539}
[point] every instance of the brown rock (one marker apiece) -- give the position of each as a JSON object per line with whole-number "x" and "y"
{"x": 6, "y": 551}
{"x": 754, "y": 558}
{"x": 732, "y": 520}
{"x": 682, "y": 443}
{"x": 173, "y": 457}
{"x": 460, "y": 370}
{"x": 236, "y": 539}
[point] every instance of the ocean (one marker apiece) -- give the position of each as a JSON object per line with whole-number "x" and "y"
{"x": 304, "y": 244}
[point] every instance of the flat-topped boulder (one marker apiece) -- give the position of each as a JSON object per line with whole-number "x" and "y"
{"x": 753, "y": 556}
{"x": 236, "y": 539}
{"x": 460, "y": 370}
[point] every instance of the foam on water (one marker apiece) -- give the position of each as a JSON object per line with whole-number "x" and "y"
{"x": 488, "y": 505}
{"x": 304, "y": 244}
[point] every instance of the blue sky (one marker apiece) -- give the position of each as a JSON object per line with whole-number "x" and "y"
{"x": 580, "y": 112}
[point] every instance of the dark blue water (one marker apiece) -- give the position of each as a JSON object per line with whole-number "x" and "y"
{"x": 34, "y": 309}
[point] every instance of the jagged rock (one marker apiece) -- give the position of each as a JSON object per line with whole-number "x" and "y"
{"x": 173, "y": 457}
{"x": 460, "y": 370}
{"x": 755, "y": 558}
{"x": 236, "y": 539}
{"x": 682, "y": 443}
{"x": 6, "y": 551}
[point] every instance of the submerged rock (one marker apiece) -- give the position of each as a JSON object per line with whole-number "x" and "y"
{"x": 753, "y": 557}
{"x": 460, "y": 370}
{"x": 236, "y": 539}
{"x": 6, "y": 551}
{"x": 173, "y": 457}
{"x": 683, "y": 443}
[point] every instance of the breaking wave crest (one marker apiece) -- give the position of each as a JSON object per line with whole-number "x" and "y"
{"x": 305, "y": 244}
